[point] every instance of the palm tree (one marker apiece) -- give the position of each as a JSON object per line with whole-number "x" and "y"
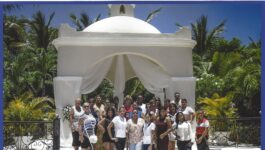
{"x": 14, "y": 34}
{"x": 84, "y": 20}
{"x": 10, "y": 7}
{"x": 42, "y": 35}
{"x": 204, "y": 37}
{"x": 43, "y": 51}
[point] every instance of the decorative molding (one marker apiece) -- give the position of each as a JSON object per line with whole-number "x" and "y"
{"x": 69, "y": 37}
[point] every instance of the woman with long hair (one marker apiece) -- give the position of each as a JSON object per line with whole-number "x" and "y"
{"x": 162, "y": 125}
{"x": 157, "y": 104}
{"x": 172, "y": 115}
{"x": 119, "y": 123}
{"x": 182, "y": 130}
{"x": 103, "y": 126}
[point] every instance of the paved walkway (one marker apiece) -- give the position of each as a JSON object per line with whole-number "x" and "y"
{"x": 38, "y": 145}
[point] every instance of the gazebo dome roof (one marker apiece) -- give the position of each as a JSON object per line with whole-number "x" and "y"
{"x": 122, "y": 24}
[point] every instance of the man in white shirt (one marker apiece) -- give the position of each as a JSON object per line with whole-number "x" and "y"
{"x": 177, "y": 99}
{"x": 188, "y": 112}
{"x": 140, "y": 104}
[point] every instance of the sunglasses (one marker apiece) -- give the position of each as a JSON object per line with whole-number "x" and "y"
{"x": 86, "y": 106}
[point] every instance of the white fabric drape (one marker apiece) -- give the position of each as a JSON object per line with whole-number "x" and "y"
{"x": 66, "y": 89}
{"x": 119, "y": 81}
{"x": 94, "y": 76}
{"x": 150, "y": 74}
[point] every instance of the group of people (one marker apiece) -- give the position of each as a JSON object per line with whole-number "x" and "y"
{"x": 137, "y": 125}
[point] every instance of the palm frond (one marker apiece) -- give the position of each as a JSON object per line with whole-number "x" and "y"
{"x": 152, "y": 14}
{"x": 50, "y": 19}
{"x": 178, "y": 25}
{"x": 97, "y": 18}
{"x": 85, "y": 20}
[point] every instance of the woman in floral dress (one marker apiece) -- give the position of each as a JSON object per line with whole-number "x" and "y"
{"x": 135, "y": 131}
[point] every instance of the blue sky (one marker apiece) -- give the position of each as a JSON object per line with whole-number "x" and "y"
{"x": 243, "y": 19}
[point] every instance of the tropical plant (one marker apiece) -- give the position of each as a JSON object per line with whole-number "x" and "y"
{"x": 218, "y": 107}
{"x": 134, "y": 87}
{"x": 201, "y": 67}
{"x": 208, "y": 84}
{"x": 233, "y": 45}
{"x": 243, "y": 82}
{"x": 28, "y": 108}
{"x": 105, "y": 90}
{"x": 254, "y": 44}
{"x": 30, "y": 59}
{"x": 14, "y": 65}
{"x": 43, "y": 67}
{"x": 236, "y": 69}
{"x": 15, "y": 73}
{"x": 223, "y": 62}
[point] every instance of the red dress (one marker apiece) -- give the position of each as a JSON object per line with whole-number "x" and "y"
{"x": 161, "y": 127}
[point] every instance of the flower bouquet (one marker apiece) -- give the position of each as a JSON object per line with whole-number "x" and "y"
{"x": 66, "y": 112}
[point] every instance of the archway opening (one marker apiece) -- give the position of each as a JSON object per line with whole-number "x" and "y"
{"x": 132, "y": 75}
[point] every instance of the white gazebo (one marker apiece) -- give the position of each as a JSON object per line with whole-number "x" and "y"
{"x": 118, "y": 48}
